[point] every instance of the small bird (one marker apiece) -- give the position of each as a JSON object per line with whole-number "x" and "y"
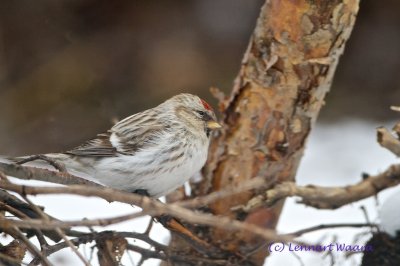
{"x": 152, "y": 152}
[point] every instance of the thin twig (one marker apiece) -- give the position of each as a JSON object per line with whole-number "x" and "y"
{"x": 22, "y": 209}
{"x": 149, "y": 227}
{"x": 58, "y": 230}
{"x": 85, "y": 238}
{"x": 33, "y": 173}
{"x": 42, "y": 241}
{"x": 16, "y": 233}
{"x": 388, "y": 141}
{"x": 328, "y": 197}
{"x": 54, "y": 224}
{"x": 365, "y": 213}
{"x": 146, "y": 232}
{"x": 149, "y": 206}
{"x": 174, "y": 257}
{"x": 255, "y": 182}
{"x": 57, "y": 165}
{"x": 12, "y": 210}
{"x": 17, "y": 204}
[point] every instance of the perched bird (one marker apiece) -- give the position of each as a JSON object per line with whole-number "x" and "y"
{"x": 151, "y": 152}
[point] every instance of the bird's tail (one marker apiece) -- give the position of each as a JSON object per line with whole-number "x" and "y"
{"x": 4, "y": 159}
{"x": 31, "y": 161}
{"x": 72, "y": 166}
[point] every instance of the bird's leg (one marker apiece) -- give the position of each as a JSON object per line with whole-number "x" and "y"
{"x": 57, "y": 165}
{"x": 141, "y": 192}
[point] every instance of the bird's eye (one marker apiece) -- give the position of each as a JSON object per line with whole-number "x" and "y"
{"x": 202, "y": 113}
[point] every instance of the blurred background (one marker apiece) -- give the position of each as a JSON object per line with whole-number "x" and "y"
{"x": 68, "y": 68}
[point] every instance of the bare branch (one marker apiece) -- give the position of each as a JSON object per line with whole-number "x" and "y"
{"x": 17, "y": 213}
{"x": 58, "y": 230}
{"x": 54, "y": 224}
{"x": 253, "y": 183}
{"x": 174, "y": 256}
{"x": 23, "y": 210}
{"x": 328, "y": 197}
{"x": 17, "y": 234}
{"x": 57, "y": 165}
{"x": 33, "y": 173}
{"x": 388, "y": 141}
{"x": 395, "y": 108}
{"x": 149, "y": 206}
{"x": 110, "y": 250}
{"x": 85, "y": 238}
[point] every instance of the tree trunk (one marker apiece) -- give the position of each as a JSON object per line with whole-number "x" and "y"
{"x": 285, "y": 74}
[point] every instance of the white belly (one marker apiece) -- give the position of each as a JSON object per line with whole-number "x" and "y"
{"x": 146, "y": 171}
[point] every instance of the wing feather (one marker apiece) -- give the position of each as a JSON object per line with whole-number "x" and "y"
{"x": 99, "y": 147}
{"x": 126, "y": 137}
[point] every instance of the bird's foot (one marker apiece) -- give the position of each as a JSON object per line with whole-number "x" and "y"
{"x": 141, "y": 192}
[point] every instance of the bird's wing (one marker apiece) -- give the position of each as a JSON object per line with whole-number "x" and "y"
{"x": 126, "y": 137}
{"x": 99, "y": 147}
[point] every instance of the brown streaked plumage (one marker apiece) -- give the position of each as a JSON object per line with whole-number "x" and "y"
{"x": 156, "y": 150}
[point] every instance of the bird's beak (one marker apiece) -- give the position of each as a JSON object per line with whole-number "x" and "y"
{"x": 213, "y": 125}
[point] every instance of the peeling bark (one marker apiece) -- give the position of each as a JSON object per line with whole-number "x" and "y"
{"x": 285, "y": 74}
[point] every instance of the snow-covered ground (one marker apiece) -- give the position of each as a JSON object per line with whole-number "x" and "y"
{"x": 336, "y": 155}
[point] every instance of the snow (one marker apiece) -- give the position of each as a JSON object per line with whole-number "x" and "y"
{"x": 389, "y": 215}
{"x": 336, "y": 155}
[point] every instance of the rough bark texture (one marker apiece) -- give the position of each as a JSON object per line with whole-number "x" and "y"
{"x": 285, "y": 74}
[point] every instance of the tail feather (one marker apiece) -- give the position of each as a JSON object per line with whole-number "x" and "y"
{"x": 72, "y": 166}
{"x": 33, "y": 163}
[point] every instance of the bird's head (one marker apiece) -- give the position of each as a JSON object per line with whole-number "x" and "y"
{"x": 195, "y": 112}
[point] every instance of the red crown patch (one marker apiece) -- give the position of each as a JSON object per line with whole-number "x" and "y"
{"x": 206, "y": 105}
